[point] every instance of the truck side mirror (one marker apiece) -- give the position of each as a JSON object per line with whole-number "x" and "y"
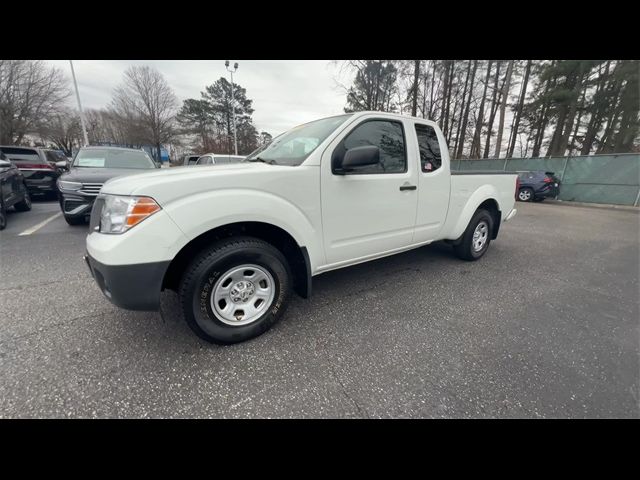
{"x": 359, "y": 157}
{"x": 64, "y": 165}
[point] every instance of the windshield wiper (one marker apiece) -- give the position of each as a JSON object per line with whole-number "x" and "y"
{"x": 263, "y": 160}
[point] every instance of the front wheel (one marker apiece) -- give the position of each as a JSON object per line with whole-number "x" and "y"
{"x": 24, "y": 205}
{"x": 3, "y": 218}
{"x": 235, "y": 290}
{"x": 476, "y": 238}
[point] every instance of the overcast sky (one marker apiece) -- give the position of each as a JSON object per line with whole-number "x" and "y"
{"x": 285, "y": 93}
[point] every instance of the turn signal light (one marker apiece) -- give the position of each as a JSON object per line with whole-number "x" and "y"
{"x": 143, "y": 207}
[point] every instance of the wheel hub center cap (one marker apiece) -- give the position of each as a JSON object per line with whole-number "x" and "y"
{"x": 242, "y": 291}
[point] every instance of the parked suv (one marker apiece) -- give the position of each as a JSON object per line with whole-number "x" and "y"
{"x": 189, "y": 160}
{"x": 40, "y": 173}
{"x": 13, "y": 191}
{"x": 92, "y": 167}
{"x": 538, "y": 185}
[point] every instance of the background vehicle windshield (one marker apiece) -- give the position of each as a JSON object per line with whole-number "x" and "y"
{"x": 97, "y": 158}
{"x": 21, "y": 155}
{"x": 294, "y": 146}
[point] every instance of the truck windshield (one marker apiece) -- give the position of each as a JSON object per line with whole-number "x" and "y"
{"x": 294, "y": 146}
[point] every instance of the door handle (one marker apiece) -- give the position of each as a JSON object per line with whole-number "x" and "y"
{"x": 406, "y": 186}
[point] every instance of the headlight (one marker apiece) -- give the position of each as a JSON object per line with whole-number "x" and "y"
{"x": 120, "y": 213}
{"x": 64, "y": 185}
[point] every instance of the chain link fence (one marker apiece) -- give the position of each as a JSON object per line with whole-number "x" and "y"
{"x": 613, "y": 179}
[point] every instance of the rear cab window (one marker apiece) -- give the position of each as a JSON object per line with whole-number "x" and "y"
{"x": 430, "y": 156}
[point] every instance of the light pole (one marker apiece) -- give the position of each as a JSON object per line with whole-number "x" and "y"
{"x": 84, "y": 129}
{"x": 233, "y": 105}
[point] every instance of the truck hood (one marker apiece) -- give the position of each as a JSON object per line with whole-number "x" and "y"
{"x": 100, "y": 175}
{"x": 166, "y": 184}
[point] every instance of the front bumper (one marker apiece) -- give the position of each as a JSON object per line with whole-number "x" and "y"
{"x": 133, "y": 287}
{"x": 548, "y": 191}
{"x": 40, "y": 181}
{"x": 75, "y": 205}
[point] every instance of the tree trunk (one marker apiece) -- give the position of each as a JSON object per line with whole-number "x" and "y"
{"x": 475, "y": 146}
{"x": 518, "y": 115}
{"x": 449, "y": 83}
{"x": 445, "y": 93}
{"x": 462, "y": 106}
{"x": 577, "y": 126}
{"x": 416, "y": 76}
{"x": 563, "y": 142}
{"x": 465, "y": 117}
{"x": 504, "y": 97}
{"x": 595, "y": 122}
{"x": 492, "y": 111}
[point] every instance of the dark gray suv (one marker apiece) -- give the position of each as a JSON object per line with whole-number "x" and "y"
{"x": 538, "y": 185}
{"x": 91, "y": 167}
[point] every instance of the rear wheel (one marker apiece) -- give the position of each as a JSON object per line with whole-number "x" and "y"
{"x": 74, "y": 220}
{"x": 25, "y": 204}
{"x": 235, "y": 290}
{"x": 476, "y": 238}
{"x": 525, "y": 195}
{"x": 3, "y": 218}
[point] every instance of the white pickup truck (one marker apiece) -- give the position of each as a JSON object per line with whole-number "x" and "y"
{"x": 235, "y": 240}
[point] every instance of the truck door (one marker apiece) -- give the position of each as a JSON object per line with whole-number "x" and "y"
{"x": 371, "y": 209}
{"x": 434, "y": 183}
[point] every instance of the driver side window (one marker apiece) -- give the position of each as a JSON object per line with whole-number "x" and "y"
{"x": 388, "y": 136}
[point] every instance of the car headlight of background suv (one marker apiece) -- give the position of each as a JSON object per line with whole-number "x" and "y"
{"x": 66, "y": 185}
{"x": 120, "y": 213}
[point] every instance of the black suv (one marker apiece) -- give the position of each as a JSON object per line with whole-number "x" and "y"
{"x": 13, "y": 190}
{"x": 538, "y": 185}
{"x": 91, "y": 167}
{"x": 38, "y": 165}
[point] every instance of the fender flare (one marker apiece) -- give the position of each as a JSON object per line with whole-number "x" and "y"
{"x": 484, "y": 193}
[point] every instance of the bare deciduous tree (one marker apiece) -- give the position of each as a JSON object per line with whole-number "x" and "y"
{"x": 64, "y": 130}
{"x": 30, "y": 94}
{"x": 146, "y": 99}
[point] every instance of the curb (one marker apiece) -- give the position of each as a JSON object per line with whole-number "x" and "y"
{"x": 606, "y": 206}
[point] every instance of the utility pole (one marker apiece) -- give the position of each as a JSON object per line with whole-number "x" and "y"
{"x": 233, "y": 104}
{"x": 75, "y": 84}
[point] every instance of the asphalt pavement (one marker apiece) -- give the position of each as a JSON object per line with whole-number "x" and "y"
{"x": 545, "y": 325}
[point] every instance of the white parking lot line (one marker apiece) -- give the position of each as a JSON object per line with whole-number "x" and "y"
{"x": 37, "y": 227}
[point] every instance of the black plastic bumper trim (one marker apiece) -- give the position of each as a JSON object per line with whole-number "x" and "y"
{"x": 132, "y": 287}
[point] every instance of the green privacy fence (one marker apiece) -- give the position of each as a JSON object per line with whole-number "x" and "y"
{"x": 611, "y": 178}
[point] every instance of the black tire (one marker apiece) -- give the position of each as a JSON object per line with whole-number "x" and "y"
{"x": 24, "y": 205}
{"x": 3, "y": 218}
{"x": 526, "y": 194}
{"x": 75, "y": 220}
{"x": 465, "y": 249}
{"x": 200, "y": 279}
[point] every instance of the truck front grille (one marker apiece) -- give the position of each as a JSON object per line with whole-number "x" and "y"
{"x": 91, "y": 188}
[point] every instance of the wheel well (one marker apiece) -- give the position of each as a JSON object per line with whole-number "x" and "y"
{"x": 492, "y": 207}
{"x": 296, "y": 256}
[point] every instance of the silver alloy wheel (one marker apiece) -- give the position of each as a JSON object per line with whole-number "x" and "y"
{"x": 241, "y": 295}
{"x": 27, "y": 199}
{"x": 480, "y": 236}
{"x": 524, "y": 195}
